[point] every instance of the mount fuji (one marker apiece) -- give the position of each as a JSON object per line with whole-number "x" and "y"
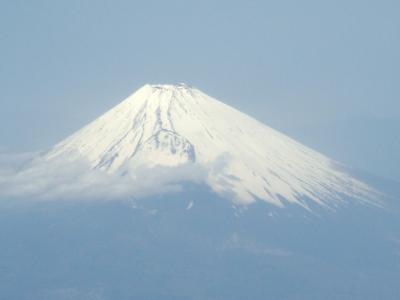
{"x": 177, "y": 126}
{"x": 212, "y": 204}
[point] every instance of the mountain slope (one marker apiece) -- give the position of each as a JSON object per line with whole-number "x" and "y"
{"x": 175, "y": 125}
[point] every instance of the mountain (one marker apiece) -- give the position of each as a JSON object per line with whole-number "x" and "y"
{"x": 173, "y": 156}
{"x": 175, "y": 126}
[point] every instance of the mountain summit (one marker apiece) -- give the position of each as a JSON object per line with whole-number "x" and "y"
{"x": 171, "y": 126}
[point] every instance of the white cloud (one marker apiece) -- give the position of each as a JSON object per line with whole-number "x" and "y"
{"x": 76, "y": 180}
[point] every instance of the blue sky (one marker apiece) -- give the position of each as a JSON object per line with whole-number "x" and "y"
{"x": 325, "y": 72}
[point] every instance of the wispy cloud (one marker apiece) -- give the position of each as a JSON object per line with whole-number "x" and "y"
{"x": 14, "y": 160}
{"x": 40, "y": 179}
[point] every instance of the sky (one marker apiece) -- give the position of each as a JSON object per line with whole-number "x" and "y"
{"x": 324, "y": 72}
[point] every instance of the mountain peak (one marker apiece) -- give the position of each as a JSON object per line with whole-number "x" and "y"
{"x": 178, "y": 86}
{"x": 161, "y": 93}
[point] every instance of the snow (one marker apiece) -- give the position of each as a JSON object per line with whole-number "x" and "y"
{"x": 174, "y": 125}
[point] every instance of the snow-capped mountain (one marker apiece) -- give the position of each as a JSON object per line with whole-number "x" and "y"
{"x": 170, "y": 153}
{"x": 177, "y": 125}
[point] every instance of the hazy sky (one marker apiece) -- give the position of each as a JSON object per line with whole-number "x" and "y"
{"x": 325, "y": 72}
